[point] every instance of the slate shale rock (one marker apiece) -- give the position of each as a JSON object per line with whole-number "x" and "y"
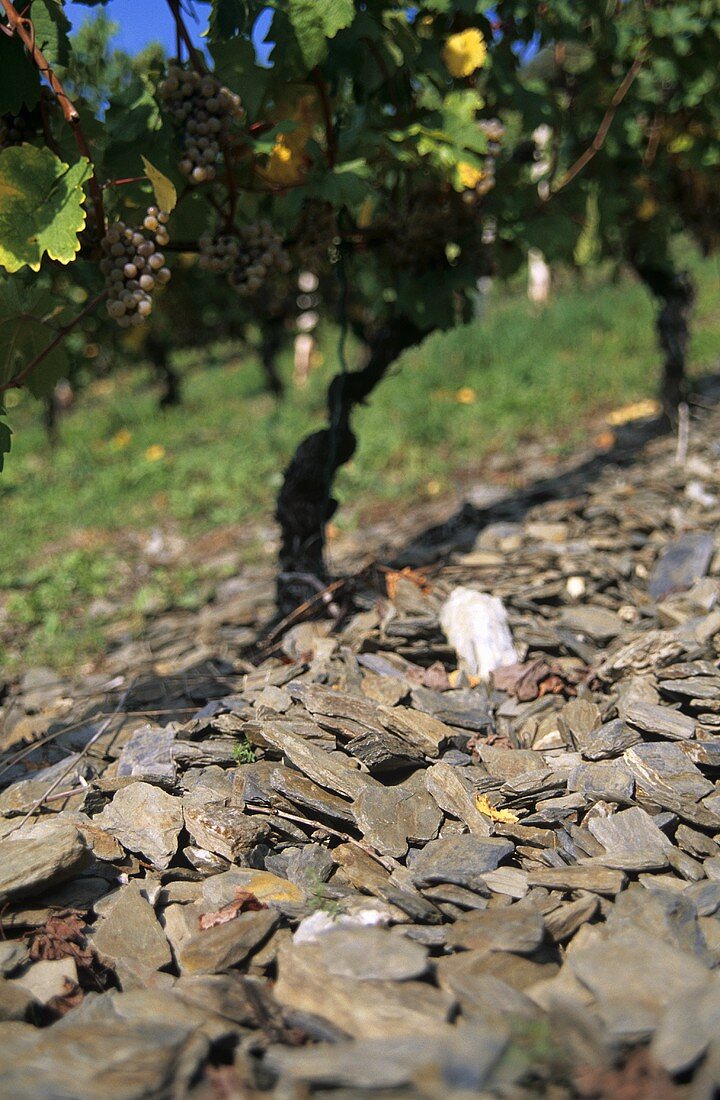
{"x": 340, "y": 867}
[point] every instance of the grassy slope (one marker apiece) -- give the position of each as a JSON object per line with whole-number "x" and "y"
{"x": 521, "y": 375}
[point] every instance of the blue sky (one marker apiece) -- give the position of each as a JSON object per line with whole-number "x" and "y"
{"x": 143, "y": 21}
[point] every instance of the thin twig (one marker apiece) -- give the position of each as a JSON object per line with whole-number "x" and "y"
{"x": 330, "y": 134}
{"x": 180, "y": 28}
{"x": 272, "y": 811}
{"x": 24, "y": 29}
{"x": 83, "y": 752}
{"x": 683, "y": 433}
{"x": 299, "y": 611}
{"x": 599, "y": 139}
{"x": 60, "y": 335}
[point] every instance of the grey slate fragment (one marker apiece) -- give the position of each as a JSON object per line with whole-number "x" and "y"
{"x": 148, "y": 753}
{"x": 664, "y": 775}
{"x": 383, "y": 753}
{"x": 392, "y": 817}
{"x": 225, "y": 945}
{"x": 15, "y": 1001}
{"x": 314, "y": 762}
{"x": 660, "y": 721}
{"x": 687, "y": 1028}
{"x": 145, "y": 820}
{"x": 302, "y": 792}
{"x": 598, "y": 880}
{"x": 460, "y": 859}
{"x": 30, "y": 866}
{"x": 612, "y": 782}
{"x": 365, "y": 954}
{"x": 517, "y": 928}
{"x": 453, "y": 792}
{"x": 632, "y": 841}
{"x": 225, "y": 830}
{"x": 609, "y": 740}
{"x": 130, "y": 940}
{"x": 681, "y": 563}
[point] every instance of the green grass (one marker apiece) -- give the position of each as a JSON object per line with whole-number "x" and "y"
{"x": 74, "y": 519}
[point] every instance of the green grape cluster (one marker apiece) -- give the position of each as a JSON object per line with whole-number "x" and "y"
{"x": 317, "y": 239}
{"x": 261, "y": 254}
{"x": 133, "y": 266}
{"x": 218, "y": 252}
{"x": 203, "y": 110}
{"x": 14, "y": 130}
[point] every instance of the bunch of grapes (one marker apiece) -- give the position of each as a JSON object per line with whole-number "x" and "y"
{"x": 133, "y": 266}
{"x": 14, "y": 130}
{"x": 261, "y": 254}
{"x": 218, "y": 252}
{"x": 203, "y": 109}
{"x": 317, "y": 238}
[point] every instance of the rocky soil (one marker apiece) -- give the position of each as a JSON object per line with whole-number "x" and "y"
{"x": 325, "y": 859}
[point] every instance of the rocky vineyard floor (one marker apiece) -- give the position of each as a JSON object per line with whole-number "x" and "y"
{"x": 322, "y": 859}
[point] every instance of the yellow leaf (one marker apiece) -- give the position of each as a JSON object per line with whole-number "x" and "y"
{"x": 468, "y": 175}
{"x": 504, "y": 817}
{"x": 165, "y": 193}
{"x": 638, "y": 410}
{"x": 466, "y": 396}
{"x": 465, "y": 52}
{"x": 155, "y": 452}
{"x": 433, "y": 487}
{"x": 121, "y": 438}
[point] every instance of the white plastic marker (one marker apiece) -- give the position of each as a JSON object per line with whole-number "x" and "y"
{"x": 477, "y": 628}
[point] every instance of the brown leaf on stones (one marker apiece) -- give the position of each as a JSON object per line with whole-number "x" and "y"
{"x": 243, "y": 902}
{"x": 639, "y": 1078}
{"x": 413, "y": 575}
{"x": 62, "y": 937}
{"x": 532, "y": 679}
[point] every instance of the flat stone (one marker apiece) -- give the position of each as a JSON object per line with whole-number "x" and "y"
{"x": 594, "y": 622}
{"x": 30, "y": 866}
{"x": 467, "y": 709}
{"x": 632, "y": 841}
{"x": 610, "y": 739}
{"x": 578, "y": 720}
{"x": 450, "y": 1055}
{"x": 517, "y": 928}
{"x": 15, "y": 1001}
{"x": 149, "y": 753}
{"x": 664, "y": 775}
{"x": 21, "y": 796}
{"x": 633, "y": 978}
{"x": 660, "y": 721}
{"x": 480, "y": 994}
{"x": 598, "y": 880}
{"x": 682, "y": 562}
{"x": 130, "y": 940}
{"x": 383, "y": 753}
{"x": 688, "y": 1026}
{"x": 454, "y": 796}
{"x": 609, "y": 782}
{"x": 392, "y": 817}
{"x": 307, "y": 795}
{"x": 563, "y": 922}
{"x": 145, "y": 820}
{"x": 369, "y": 954}
{"x": 48, "y": 978}
{"x": 226, "y": 945}
{"x": 363, "y": 1009}
{"x": 272, "y": 890}
{"x": 462, "y": 860}
{"x": 315, "y": 763}
{"x": 105, "y": 1061}
{"x": 423, "y": 731}
{"x": 225, "y": 830}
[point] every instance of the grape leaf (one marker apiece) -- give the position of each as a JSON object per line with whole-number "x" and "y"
{"x": 163, "y": 188}
{"x": 40, "y": 207}
{"x": 228, "y": 18}
{"x": 51, "y": 26}
{"x": 19, "y": 79}
{"x": 314, "y": 23}
{"x": 24, "y": 335}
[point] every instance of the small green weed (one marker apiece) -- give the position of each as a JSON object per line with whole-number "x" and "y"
{"x": 243, "y": 752}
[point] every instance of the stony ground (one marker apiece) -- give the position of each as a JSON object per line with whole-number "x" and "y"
{"x": 335, "y": 862}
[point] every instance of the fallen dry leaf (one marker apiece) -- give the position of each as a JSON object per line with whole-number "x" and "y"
{"x": 243, "y": 902}
{"x": 638, "y": 410}
{"x": 504, "y": 817}
{"x": 413, "y": 575}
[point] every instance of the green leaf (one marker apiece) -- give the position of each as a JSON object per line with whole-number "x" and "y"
{"x": 40, "y": 207}
{"x": 228, "y": 18}
{"x": 163, "y": 188}
{"x": 19, "y": 81}
{"x": 24, "y": 335}
{"x": 313, "y": 23}
{"x": 51, "y": 30}
{"x": 347, "y": 184}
